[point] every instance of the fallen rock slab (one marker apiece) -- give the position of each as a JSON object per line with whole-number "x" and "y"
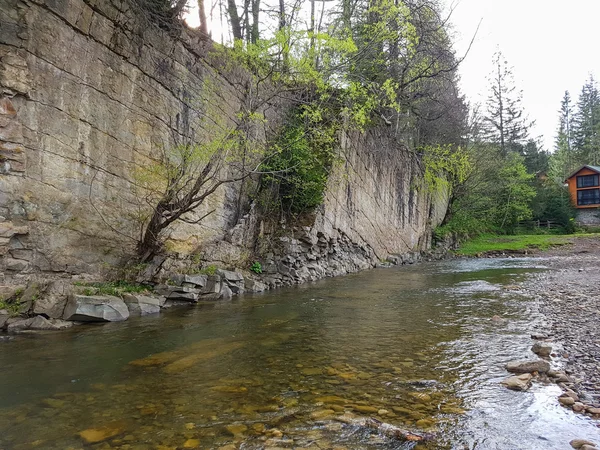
{"x": 38, "y": 323}
{"x": 142, "y": 304}
{"x": 96, "y": 308}
{"x": 540, "y": 366}
{"x": 518, "y": 382}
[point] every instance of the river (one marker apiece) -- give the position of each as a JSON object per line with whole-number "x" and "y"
{"x": 418, "y": 347}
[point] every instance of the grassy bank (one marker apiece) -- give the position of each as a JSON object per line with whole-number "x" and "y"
{"x": 494, "y": 243}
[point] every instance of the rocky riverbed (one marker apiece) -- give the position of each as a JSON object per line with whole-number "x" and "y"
{"x": 569, "y": 299}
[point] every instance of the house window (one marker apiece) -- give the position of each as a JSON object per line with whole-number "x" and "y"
{"x": 588, "y": 197}
{"x": 587, "y": 181}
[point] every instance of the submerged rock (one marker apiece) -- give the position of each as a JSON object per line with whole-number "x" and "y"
{"x": 94, "y": 308}
{"x": 95, "y": 435}
{"x": 39, "y": 323}
{"x": 540, "y": 366}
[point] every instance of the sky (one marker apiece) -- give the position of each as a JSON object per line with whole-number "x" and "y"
{"x": 552, "y": 46}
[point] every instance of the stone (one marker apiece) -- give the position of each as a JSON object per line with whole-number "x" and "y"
{"x": 588, "y": 447}
{"x": 593, "y": 410}
{"x": 15, "y": 265}
{"x": 198, "y": 280}
{"x": 578, "y": 407}
{"x": 192, "y": 443}
{"x": 95, "y": 435}
{"x": 518, "y": 382}
{"x": 318, "y": 415}
{"x": 541, "y": 349}
{"x": 226, "y": 293}
{"x": 52, "y": 301}
{"x": 141, "y": 304}
{"x": 39, "y": 323}
{"x": 567, "y": 401}
{"x": 95, "y": 308}
{"x": 540, "y": 366}
{"x": 365, "y": 409}
{"x": 3, "y": 319}
{"x": 236, "y": 429}
{"x": 254, "y": 285}
{"x": 578, "y": 443}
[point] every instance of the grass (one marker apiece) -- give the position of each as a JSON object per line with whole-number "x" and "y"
{"x": 115, "y": 288}
{"x": 494, "y": 243}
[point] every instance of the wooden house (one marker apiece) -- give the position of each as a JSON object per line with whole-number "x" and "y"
{"x": 584, "y": 187}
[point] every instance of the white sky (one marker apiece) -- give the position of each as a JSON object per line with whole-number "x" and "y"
{"x": 553, "y": 46}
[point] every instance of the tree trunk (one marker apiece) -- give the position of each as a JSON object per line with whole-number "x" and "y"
{"x": 202, "y": 17}
{"x": 236, "y": 27}
{"x": 255, "y": 21}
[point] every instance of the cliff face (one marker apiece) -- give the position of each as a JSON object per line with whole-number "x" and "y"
{"x": 90, "y": 91}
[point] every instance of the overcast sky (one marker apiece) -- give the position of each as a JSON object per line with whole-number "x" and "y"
{"x": 552, "y": 45}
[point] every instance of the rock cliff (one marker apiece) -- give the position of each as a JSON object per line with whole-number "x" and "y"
{"x": 90, "y": 91}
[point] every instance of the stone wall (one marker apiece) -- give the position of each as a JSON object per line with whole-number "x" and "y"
{"x": 588, "y": 217}
{"x": 90, "y": 91}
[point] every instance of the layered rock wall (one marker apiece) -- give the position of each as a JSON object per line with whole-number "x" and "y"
{"x": 90, "y": 91}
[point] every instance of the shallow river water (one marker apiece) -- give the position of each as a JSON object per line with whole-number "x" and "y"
{"x": 415, "y": 347}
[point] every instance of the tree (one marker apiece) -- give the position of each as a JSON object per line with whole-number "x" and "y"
{"x": 586, "y": 124}
{"x": 563, "y": 160}
{"x": 505, "y": 121}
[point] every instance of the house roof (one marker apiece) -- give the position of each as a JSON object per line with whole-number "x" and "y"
{"x": 594, "y": 168}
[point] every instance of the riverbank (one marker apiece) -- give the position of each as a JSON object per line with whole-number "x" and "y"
{"x": 569, "y": 295}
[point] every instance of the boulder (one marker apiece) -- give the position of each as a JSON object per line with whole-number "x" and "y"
{"x": 195, "y": 280}
{"x": 3, "y": 319}
{"x": 213, "y": 285}
{"x": 254, "y": 285}
{"x": 178, "y": 292}
{"x": 53, "y": 300}
{"x": 142, "y": 304}
{"x": 226, "y": 293}
{"x": 540, "y": 366}
{"x": 518, "y": 382}
{"x": 38, "y": 323}
{"x": 541, "y": 349}
{"x": 96, "y": 308}
{"x": 235, "y": 280}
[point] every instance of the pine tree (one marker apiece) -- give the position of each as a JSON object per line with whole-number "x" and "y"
{"x": 564, "y": 159}
{"x": 586, "y": 124}
{"x": 505, "y": 122}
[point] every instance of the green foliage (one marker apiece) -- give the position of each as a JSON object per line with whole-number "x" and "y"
{"x": 553, "y": 203}
{"x": 256, "y": 267}
{"x": 115, "y": 288}
{"x": 445, "y": 167}
{"x": 296, "y": 174}
{"x": 495, "y": 197}
{"x": 209, "y": 270}
{"x": 11, "y": 306}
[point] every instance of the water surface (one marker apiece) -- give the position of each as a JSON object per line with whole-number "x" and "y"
{"x": 419, "y": 347}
